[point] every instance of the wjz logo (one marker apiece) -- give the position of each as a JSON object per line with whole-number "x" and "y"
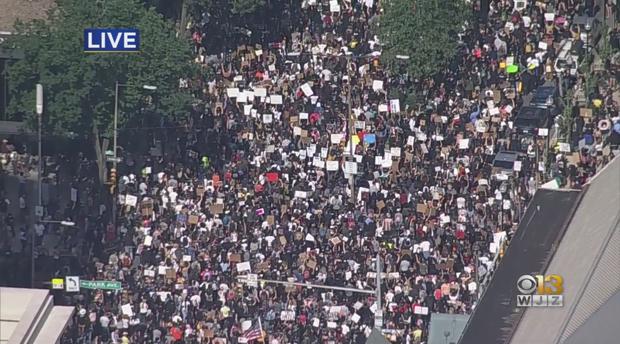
{"x": 540, "y": 291}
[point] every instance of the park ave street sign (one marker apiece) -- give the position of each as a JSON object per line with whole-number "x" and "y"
{"x": 108, "y": 285}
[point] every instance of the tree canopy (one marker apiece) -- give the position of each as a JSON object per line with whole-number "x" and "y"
{"x": 79, "y": 87}
{"x": 425, "y": 30}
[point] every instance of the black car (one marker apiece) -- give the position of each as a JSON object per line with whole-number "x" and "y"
{"x": 530, "y": 118}
{"x": 545, "y": 96}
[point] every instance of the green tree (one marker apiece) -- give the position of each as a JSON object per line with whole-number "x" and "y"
{"x": 246, "y": 6}
{"x": 424, "y": 30}
{"x": 79, "y": 88}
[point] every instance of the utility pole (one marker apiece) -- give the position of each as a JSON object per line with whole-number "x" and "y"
{"x": 379, "y": 311}
{"x": 39, "y": 212}
{"x": 351, "y": 123}
{"x": 115, "y": 148}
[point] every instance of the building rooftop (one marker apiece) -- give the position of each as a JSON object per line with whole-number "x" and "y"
{"x": 587, "y": 258}
{"x": 29, "y": 316}
{"x": 25, "y": 10}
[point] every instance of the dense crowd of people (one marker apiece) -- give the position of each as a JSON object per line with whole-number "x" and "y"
{"x": 303, "y": 163}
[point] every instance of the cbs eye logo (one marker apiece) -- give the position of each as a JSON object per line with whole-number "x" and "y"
{"x": 539, "y": 284}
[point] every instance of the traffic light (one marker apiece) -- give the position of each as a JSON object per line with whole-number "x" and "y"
{"x": 112, "y": 180}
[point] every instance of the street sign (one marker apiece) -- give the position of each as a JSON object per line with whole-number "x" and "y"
{"x": 113, "y": 159}
{"x": 38, "y": 211}
{"x": 73, "y": 284}
{"x": 107, "y": 285}
{"x": 252, "y": 280}
{"x": 58, "y": 283}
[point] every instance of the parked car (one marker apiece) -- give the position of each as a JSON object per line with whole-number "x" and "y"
{"x": 545, "y": 96}
{"x": 503, "y": 164}
{"x": 530, "y": 118}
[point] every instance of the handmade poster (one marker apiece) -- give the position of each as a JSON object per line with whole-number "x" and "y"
{"x": 336, "y": 138}
{"x": 131, "y": 200}
{"x": 410, "y": 141}
{"x": 464, "y": 144}
{"x": 394, "y": 106}
{"x": 395, "y": 151}
{"x": 318, "y": 162}
{"x": 276, "y": 99}
{"x": 370, "y": 138}
{"x": 517, "y": 166}
{"x": 126, "y": 309}
{"x": 350, "y": 167}
{"x": 232, "y": 92}
{"x": 332, "y": 165}
{"x": 260, "y": 92}
{"x": 334, "y": 6}
{"x": 307, "y": 90}
{"x": 245, "y": 266}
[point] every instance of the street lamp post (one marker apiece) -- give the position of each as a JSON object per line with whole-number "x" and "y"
{"x": 588, "y": 27}
{"x": 38, "y": 211}
{"x": 115, "y": 141}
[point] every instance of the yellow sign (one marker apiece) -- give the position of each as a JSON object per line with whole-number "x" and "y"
{"x": 58, "y": 283}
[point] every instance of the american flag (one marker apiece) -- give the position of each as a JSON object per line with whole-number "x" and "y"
{"x": 254, "y": 332}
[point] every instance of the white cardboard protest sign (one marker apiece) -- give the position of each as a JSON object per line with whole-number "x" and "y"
{"x": 126, "y": 309}
{"x": 420, "y": 310}
{"x": 332, "y": 165}
{"x": 307, "y": 90}
{"x": 131, "y": 200}
{"x": 350, "y": 167}
{"x": 232, "y": 92}
{"x": 318, "y": 162}
{"x": 336, "y": 138}
{"x": 334, "y": 6}
{"x": 464, "y": 144}
{"x": 377, "y": 85}
{"x": 395, "y": 151}
{"x": 287, "y": 316}
{"x": 260, "y": 92}
{"x": 276, "y": 99}
{"x": 410, "y": 141}
{"x": 245, "y": 266}
{"x": 517, "y": 166}
{"x": 301, "y": 194}
{"x": 394, "y": 106}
